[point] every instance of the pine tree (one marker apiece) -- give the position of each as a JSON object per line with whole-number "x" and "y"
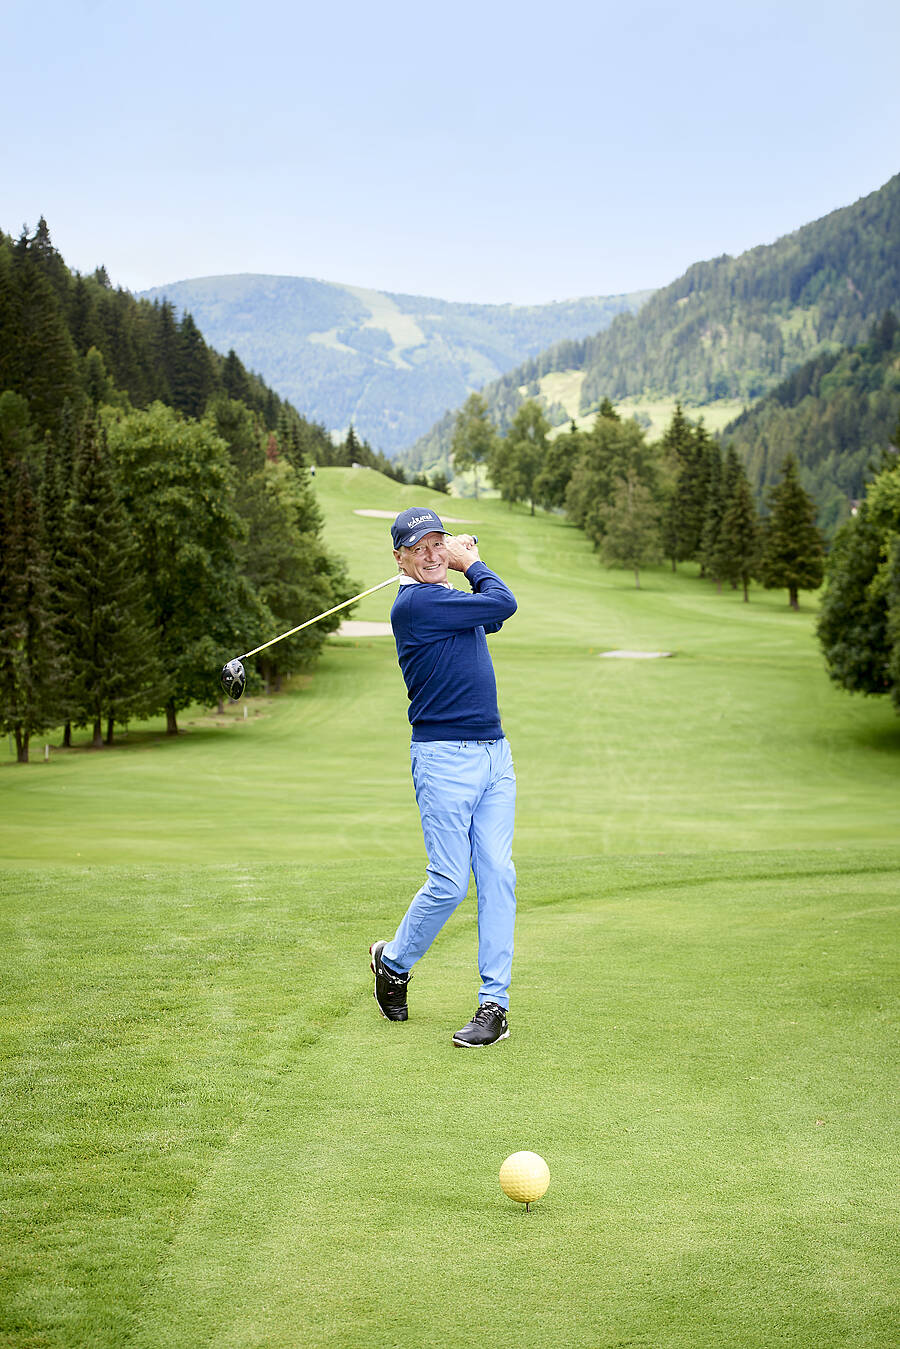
{"x": 82, "y": 318}
{"x": 737, "y": 545}
{"x": 46, "y": 362}
{"x": 164, "y": 347}
{"x": 352, "y": 450}
{"x": 194, "y": 380}
{"x": 682, "y": 521}
{"x": 793, "y": 553}
{"x": 31, "y": 667}
{"x": 731, "y": 475}
{"x": 60, "y": 453}
{"x": 103, "y": 601}
{"x": 235, "y": 381}
{"x": 715, "y": 509}
{"x": 853, "y": 620}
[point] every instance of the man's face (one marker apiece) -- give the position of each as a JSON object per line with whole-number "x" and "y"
{"x": 426, "y": 560}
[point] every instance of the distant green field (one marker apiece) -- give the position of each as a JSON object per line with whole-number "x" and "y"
{"x": 211, "y": 1138}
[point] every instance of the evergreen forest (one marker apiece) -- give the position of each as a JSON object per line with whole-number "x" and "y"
{"x": 836, "y": 413}
{"x": 156, "y": 509}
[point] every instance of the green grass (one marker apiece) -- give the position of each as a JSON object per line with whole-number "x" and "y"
{"x": 211, "y": 1139}
{"x": 565, "y": 387}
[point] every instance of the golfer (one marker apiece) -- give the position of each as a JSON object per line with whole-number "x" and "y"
{"x": 461, "y": 766}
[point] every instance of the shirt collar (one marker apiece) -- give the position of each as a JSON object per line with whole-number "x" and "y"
{"x": 411, "y": 581}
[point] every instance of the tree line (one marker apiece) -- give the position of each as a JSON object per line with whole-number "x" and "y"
{"x": 835, "y": 413}
{"x": 683, "y": 498}
{"x": 156, "y": 512}
{"x": 859, "y": 621}
{"x": 729, "y": 327}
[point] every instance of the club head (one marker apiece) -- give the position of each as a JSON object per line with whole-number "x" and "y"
{"x": 233, "y": 679}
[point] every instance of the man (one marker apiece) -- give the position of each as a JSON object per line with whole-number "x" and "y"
{"x": 461, "y": 765}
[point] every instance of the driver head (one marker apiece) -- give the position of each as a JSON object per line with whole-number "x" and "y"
{"x": 233, "y": 679}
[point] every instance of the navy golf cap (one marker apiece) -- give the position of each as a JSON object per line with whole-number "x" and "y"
{"x": 414, "y": 524}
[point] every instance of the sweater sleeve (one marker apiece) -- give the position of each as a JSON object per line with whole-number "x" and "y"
{"x": 437, "y": 612}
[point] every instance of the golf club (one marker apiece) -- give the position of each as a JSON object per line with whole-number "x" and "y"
{"x": 233, "y": 676}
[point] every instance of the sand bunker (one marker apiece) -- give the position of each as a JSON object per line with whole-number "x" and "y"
{"x": 636, "y": 655}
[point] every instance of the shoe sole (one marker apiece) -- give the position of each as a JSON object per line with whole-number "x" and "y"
{"x": 467, "y": 1044}
{"x": 382, "y": 944}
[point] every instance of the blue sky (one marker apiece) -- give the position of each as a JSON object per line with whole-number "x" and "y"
{"x": 480, "y": 151}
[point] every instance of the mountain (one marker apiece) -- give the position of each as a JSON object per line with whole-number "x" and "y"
{"x": 389, "y": 364}
{"x": 67, "y": 336}
{"x": 728, "y": 329}
{"x": 837, "y": 413}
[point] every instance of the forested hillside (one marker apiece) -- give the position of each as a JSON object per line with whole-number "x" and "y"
{"x": 389, "y": 364}
{"x": 729, "y": 327}
{"x": 156, "y": 509}
{"x": 51, "y": 318}
{"x": 836, "y": 413}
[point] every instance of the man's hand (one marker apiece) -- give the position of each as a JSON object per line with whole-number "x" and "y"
{"x": 462, "y": 551}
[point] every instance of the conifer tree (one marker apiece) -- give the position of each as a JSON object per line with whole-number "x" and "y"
{"x": 737, "y": 544}
{"x": 352, "y": 450}
{"x": 45, "y": 364}
{"x": 731, "y": 474}
{"x": 793, "y": 552}
{"x": 31, "y": 667}
{"x": 103, "y": 601}
{"x": 682, "y": 520}
{"x": 235, "y": 381}
{"x": 164, "y": 348}
{"x": 194, "y": 380}
{"x": 82, "y": 318}
{"x": 60, "y": 453}
{"x": 715, "y": 509}
{"x": 853, "y": 621}
{"x": 98, "y": 386}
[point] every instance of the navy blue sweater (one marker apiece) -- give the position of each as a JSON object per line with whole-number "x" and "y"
{"x": 443, "y": 653}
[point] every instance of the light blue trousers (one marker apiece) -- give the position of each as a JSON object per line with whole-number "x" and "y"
{"x": 466, "y": 791}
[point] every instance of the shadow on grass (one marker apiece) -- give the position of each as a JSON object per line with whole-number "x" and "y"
{"x": 883, "y": 739}
{"x": 200, "y": 728}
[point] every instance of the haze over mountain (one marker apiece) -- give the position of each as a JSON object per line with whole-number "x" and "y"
{"x": 725, "y": 332}
{"x": 389, "y": 364}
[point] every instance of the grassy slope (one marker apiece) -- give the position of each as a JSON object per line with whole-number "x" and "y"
{"x": 215, "y": 1140}
{"x": 564, "y": 387}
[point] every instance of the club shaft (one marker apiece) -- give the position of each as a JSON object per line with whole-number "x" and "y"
{"x": 391, "y": 580}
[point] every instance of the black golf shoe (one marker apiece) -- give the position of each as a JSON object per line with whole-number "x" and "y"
{"x": 489, "y": 1024}
{"x": 390, "y": 987}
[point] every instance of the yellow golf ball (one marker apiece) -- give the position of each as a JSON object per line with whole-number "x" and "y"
{"x": 524, "y": 1177}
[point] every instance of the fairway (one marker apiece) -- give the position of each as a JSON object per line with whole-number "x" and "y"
{"x": 212, "y": 1139}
